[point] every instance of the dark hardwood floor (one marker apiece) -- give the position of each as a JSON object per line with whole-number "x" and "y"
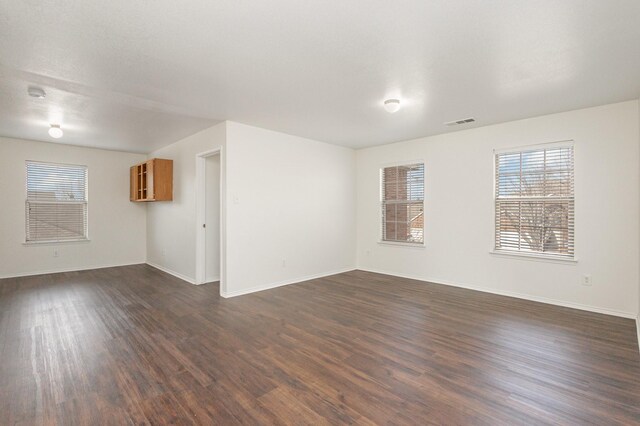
{"x": 132, "y": 345}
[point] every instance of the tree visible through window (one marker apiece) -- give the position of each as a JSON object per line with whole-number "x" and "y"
{"x": 403, "y": 203}
{"x": 56, "y": 204}
{"x": 534, "y": 201}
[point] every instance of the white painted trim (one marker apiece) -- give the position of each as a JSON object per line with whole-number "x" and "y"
{"x": 401, "y": 244}
{"x": 512, "y": 294}
{"x": 283, "y": 283}
{"x": 532, "y": 256}
{"x": 201, "y": 213}
{"x": 56, "y": 242}
{"x": 212, "y": 280}
{"x": 401, "y": 163}
{"x": 171, "y": 272}
{"x": 638, "y": 330}
{"x": 62, "y": 270}
{"x": 534, "y": 147}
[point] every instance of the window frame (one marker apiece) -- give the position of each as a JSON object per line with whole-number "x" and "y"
{"x": 381, "y": 204}
{"x": 85, "y": 202}
{"x": 534, "y": 255}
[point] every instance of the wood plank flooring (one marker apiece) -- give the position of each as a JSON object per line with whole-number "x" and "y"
{"x": 132, "y": 345}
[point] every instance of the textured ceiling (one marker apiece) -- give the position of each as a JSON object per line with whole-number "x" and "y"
{"x": 137, "y": 75}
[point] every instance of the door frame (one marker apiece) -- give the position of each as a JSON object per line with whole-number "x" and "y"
{"x": 201, "y": 195}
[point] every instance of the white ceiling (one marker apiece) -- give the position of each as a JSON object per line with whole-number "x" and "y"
{"x": 138, "y": 74}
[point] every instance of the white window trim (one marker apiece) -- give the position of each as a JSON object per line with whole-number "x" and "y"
{"x": 26, "y": 200}
{"x": 533, "y": 256}
{"x": 406, "y": 244}
{"x": 51, "y": 243}
{"x": 544, "y": 145}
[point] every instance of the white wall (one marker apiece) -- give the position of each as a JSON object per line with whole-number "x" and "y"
{"x": 459, "y": 210}
{"x": 171, "y": 225}
{"x": 212, "y": 220}
{"x": 117, "y": 227}
{"x": 294, "y": 200}
{"x": 290, "y": 209}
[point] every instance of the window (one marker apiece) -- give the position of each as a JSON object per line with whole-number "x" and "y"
{"x": 535, "y": 202}
{"x": 403, "y": 203}
{"x": 56, "y": 205}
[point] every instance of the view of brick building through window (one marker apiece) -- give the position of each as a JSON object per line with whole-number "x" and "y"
{"x": 403, "y": 203}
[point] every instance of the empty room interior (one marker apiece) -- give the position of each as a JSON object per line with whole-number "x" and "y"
{"x": 283, "y": 212}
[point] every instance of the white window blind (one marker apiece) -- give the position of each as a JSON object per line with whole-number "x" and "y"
{"x": 56, "y": 205}
{"x": 403, "y": 203}
{"x": 534, "y": 201}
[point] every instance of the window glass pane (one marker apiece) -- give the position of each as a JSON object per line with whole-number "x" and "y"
{"x": 509, "y": 185}
{"x": 55, "y": 182}
{"x": 390, "y": 228}
{"x": 532, "y": 185}
{"x": 391, "y": 183}
{"x": 390, "y": 212}
{"x": 558, "y": 183}
{"x": 56, "y": 205}
{"x": 403, "y": 203}
{"x": 509, "y": 163}
{"x": 532, "y": 161}
{"x": 534, "y": 201}
{"x": 559, "y": 159}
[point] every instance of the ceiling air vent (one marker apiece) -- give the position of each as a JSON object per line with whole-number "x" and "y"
{"x": 459, "y": 122}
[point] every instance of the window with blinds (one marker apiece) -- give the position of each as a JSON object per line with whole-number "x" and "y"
{"x": 534, "y": 201}
{"x": 402, "y": 190}
{"x": 56, "y": 204}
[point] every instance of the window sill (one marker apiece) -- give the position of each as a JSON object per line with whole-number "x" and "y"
{"x": 534, "y": 257}
{"x": 49, "y": 243}
{"x": 406, "y": 245}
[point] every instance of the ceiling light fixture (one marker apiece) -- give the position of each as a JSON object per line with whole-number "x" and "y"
{"x": 36, "y": 92}
{"x": 392, "y": 105}
{"x": 55, "y": 131}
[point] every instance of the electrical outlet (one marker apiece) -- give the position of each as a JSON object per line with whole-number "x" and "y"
{"x": 586, "y": 280}
{"x": 55, "y": 252}
{"x": 284, "y": 263}
{"x": 368, "y": 252}
{"x": 163, "y": 253}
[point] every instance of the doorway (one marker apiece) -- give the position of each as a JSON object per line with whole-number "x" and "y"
{"x": 210, "y": 218}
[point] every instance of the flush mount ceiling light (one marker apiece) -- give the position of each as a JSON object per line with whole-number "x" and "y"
{"x": 55, "y": 131}
{"x": 392, "y": 105}
{"x": 36, "y": 92}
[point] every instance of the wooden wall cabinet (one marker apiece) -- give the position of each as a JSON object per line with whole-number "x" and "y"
{"x": 152, "y": 181}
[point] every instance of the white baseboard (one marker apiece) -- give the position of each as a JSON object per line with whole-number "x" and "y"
{"x": 174, "y": 273}
{"x": 62, "y": 270}
{"x": 263, "y": 287}
{"x": 512, "y": 294}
